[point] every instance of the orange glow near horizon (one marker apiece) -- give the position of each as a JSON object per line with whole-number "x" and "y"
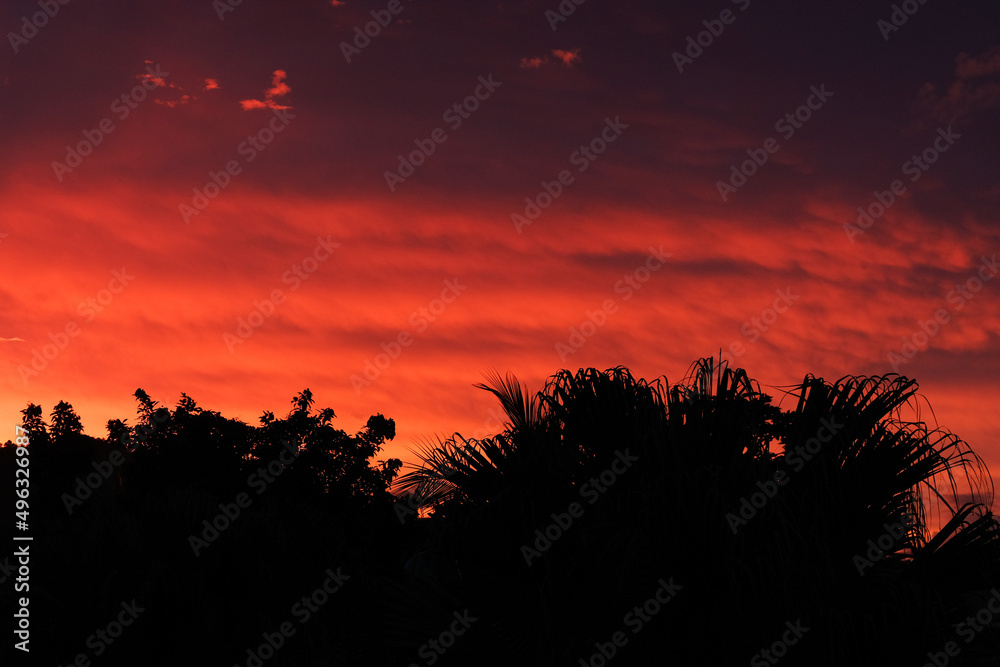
{"x": 347, "y": 314}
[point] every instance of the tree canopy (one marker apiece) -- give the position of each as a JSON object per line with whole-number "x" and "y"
{"x": 611, "y": 518}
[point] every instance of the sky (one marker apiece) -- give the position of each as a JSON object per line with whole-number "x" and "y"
{"x": 383, "y": 201}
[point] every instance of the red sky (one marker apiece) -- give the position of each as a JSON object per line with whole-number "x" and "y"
{"x": 308, "y": 137}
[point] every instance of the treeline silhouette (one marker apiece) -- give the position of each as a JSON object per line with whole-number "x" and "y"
{"x": 611, "y": 521}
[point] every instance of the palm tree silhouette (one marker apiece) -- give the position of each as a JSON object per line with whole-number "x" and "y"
{"x": 849, "y": 469}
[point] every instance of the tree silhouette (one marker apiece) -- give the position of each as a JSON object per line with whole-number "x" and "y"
{"x": 120, "y": 524}
{"x": 33, "y": 423}
{"x": 65, "y": 421}
{"x": 702, "y": 449}
{"x": 834, "y": 513}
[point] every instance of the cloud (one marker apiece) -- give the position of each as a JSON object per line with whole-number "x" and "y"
{"x": 211, "y": 84}
{"x": 11, "y": 340}
{"x": 149, "y": 76}
{"x": 278, "y": 89}
{"x": 975, "y": 88}
{"x": 972, "y": 68}
{"x": 161, "y": 82}
{"x": 183, "y": 99}
{"x": 567, "y": 58}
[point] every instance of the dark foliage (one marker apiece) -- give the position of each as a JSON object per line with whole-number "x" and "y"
{"x": 601, "y": 491}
